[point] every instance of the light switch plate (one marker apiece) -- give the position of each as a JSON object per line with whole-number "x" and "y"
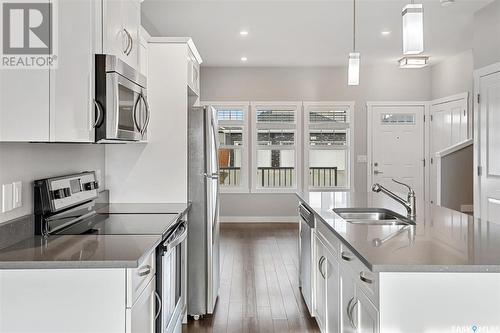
{"x": 17, "y": 194}
{"x": 6, "y": 197}
{"x": 362, "y": 159}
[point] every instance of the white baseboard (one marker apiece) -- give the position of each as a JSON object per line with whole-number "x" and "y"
{"x": 258, "y": 219}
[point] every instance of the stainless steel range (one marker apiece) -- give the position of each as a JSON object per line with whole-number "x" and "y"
{"x": 66, "y": 206}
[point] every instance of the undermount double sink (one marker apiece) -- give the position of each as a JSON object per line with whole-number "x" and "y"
{"x": 372, "y": 216}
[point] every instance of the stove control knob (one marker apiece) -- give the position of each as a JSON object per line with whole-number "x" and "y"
{"x": 61, "y": 193}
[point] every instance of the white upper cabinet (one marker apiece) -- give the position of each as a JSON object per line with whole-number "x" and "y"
{"x": 193, "y": 72}
{"x": 72, "y": 81}
{"x": 144, "y": 38}
{"x": 121, "y": 21}
{"x": 24, "y": 105}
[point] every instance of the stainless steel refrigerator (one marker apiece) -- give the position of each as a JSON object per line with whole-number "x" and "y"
{"x": 203, "y": 218}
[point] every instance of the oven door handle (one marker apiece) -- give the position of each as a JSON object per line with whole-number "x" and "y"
{"x": 179, "y": 239}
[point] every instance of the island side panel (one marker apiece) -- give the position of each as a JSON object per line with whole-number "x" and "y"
{"x": 439, "y": 302}
{"x": 62, "y": 300}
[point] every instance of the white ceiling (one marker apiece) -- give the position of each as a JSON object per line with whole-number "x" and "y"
{"x": 307, "y": 33}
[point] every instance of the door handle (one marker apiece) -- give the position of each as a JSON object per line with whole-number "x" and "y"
{"x": 158, "y": 299}
{"x": 100, "y": 113}
{"x": 377, "y": 172}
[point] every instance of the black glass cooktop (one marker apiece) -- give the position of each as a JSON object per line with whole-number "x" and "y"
{"x": 122, "y": 224}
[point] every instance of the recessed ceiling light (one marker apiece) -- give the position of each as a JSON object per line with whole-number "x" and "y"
{"x": 243, "y": 33}
{"x": 385, "y": 32}
{"x": 244, "y": 59}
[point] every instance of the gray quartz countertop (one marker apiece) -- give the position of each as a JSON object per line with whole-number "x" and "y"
{"x": 128, "y": 234}
{"x": 442, "y": 240}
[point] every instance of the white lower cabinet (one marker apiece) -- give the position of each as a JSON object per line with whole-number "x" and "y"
{"x": 366, "y": 313}
{"x": 345, "y": 292}
{"x": 326, "y": 305}
{"x": 320, "y": 283}
{"x": 141, "y": 316}
{"x": 348, "y": 297}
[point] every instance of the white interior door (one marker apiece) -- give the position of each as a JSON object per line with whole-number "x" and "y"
{"x": 397, "y": 147}
{"x": 489, "y": 145}
{"x": 449, "y": 126}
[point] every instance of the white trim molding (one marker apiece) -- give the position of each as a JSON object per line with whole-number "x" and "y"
{"x": 478, "y": 74}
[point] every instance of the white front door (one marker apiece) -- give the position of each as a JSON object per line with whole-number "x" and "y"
{"x": 489, "y": 145}
{"x": 397, "y": 147}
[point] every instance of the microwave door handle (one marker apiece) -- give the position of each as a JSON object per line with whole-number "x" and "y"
{"x": 137, "y": 123}
{"x": 148, "y": 114}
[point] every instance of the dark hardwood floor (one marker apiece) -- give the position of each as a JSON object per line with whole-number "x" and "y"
{"x": 259, "y": 283}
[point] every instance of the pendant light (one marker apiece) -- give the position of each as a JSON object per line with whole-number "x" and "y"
{"x": 413, "y": 29}
{"x": 354, "y": 57}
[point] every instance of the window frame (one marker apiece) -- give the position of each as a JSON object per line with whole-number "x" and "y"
{"x": 349, "y": 148}
{"x": 296, "y": 147}
{"x": 245, "y": 170}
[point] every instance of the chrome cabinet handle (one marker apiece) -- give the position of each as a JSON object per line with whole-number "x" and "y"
{"x": 348, "y": 310}
{"x": 145, "y": 270}
{"x": 320, "y": 266}
{"x": 130, "y": 42}
{"x": 158, "y": 300}
{"x": 148, "y": 114}
{"x": 351, "y": 318}
{"x": 100, "y": 113}
{"x": 345, "y": 256}
{"x": 364, "y": 278}
{"x": 124, "y": 50}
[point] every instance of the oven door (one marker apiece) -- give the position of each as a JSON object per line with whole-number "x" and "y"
{"x": 173, "y": 278}
{"x": 127, "y": 113}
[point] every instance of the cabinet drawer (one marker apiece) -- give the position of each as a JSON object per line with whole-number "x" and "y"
{"x": 138, "y": 278}
{"x": 328, "y": 237}
{"x": 365, "y": 278}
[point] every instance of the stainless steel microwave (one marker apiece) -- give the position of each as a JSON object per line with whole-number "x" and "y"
{"x": 121, "y": 105}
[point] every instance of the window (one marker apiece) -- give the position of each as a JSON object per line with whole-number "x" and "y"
{"x": 275, "y": 153}
{"x": 327, "y": 146}
{"x": 233, "y": 145}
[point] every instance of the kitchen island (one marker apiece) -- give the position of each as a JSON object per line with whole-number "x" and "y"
{"x": 440, "y": 275}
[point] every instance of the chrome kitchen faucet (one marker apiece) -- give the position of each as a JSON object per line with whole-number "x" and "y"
{"x": 409, "y": 204}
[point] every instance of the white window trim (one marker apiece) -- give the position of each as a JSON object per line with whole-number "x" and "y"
{"x": 350, "y": 148}
{"x": 245, "y": 170}
{"x": 297, "y": 147}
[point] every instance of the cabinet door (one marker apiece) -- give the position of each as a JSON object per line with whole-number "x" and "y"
{"x": 131, "y": 12}
{"x": 347, "y": 299}
{"x": 72, "y": 81}
{"x": 24, "y": 105}
{"x": 332, "y": 293}
{"x": 366, "y": 313}
{"x": 141, "y": 317}
{"x": 319, "y": 265}
{"x": 115, "y": 39}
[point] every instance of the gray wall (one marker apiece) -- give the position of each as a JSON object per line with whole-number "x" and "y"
{"x": 27, "y": 162}
{"x": 453, "y": 75}
{"x": 457, "y": 179}
{"x": 487, "y": 35}
{"x": 378, "y": 83}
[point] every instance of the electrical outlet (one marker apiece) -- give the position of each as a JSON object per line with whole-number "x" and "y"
{"x": 17, "y": 194}
{"x": 7, "y": 197}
